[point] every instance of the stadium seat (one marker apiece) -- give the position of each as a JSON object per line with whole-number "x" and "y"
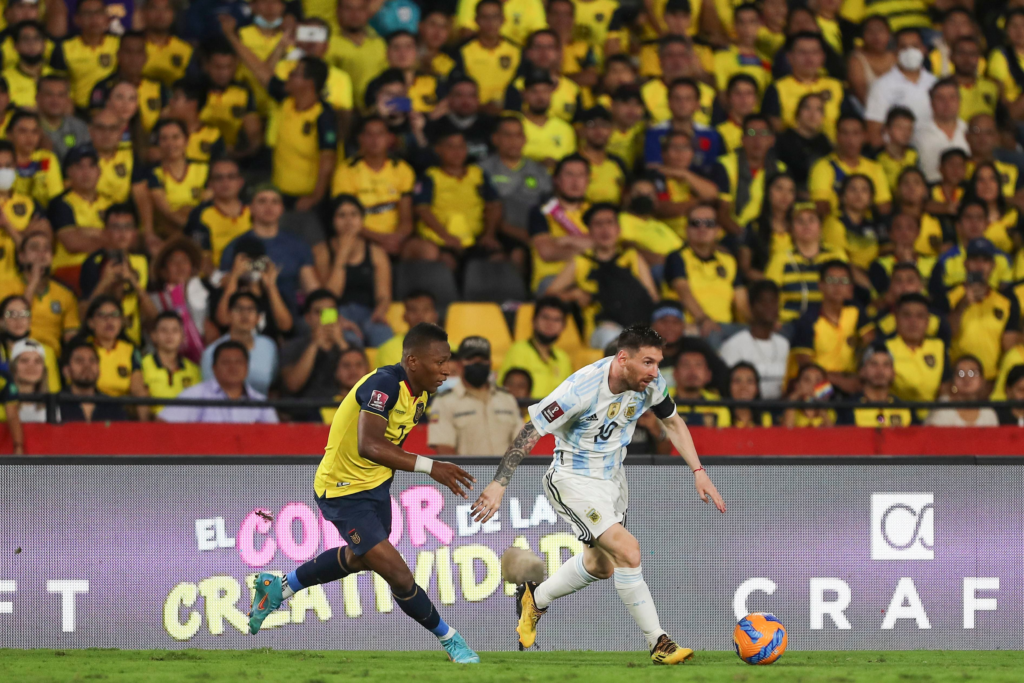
{"x": 395, "y": 312}
{"x": 430, "y": 276}
{"x": 585, "y": 356}
{"x": 496, "y": 281}
{"x": 569, "y": 341}
{"x": 484, "y": 319}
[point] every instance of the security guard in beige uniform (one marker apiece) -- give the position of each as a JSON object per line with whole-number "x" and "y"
{"x": 476, "y": 417}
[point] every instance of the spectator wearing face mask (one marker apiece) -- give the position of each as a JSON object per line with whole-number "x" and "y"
{"x": 475, "y": 417}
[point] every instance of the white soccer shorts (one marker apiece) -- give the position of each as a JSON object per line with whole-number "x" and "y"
{"x": 590, "y": 506}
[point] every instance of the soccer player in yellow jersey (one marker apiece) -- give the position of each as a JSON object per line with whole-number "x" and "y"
{"x": 353, "y": 486}
{"x": 167, "y": 56}
{"x": 90, "y": 56}
{"x": 489, "y": 59}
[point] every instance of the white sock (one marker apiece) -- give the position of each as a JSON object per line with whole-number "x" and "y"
{"x": 634, "y": 593}
{"x": 451, "y": 632}
{"x": 570, "y": 577}
{"x": 286, "y": 591}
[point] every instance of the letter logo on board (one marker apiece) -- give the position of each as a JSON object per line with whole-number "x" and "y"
{"x": 902, "y": 526}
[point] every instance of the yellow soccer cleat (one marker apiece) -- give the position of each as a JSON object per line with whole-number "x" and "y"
{"x": 667, "y": 652}
{"x": 529, "y": 615}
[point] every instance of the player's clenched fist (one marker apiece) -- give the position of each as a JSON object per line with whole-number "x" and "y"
{"x": 452, "y": 476}
{"x": 488, "y": 503}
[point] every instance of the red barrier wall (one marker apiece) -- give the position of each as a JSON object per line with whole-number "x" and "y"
{"x": 309, "y": 439}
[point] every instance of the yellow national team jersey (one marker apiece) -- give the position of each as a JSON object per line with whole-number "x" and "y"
{"x": 167, "y": 63}
{"x": 982, "y": 327}
{"x": 226, "y": 108}
{"x": 183, "y": 192}
{"x": 593, "y": 18}
{"x": 204, "y": 144}
{"x": 979, "y": 98}
{"x": 116, "y": 368}
{"x": 21, "y": 87}
{"x": 493, "y": 69}
{"x": 880, "y": 417}
{"x": 704, "y": 416}
{"x": 152, "y": 97}
{"x": 650, "y": 62}
{"x": 858, "y": 242}
{"x": 894, "y": 167}
{"x": 10, "y": 53}
{"x": 784, "y": 95}
{"x": 546, "y": 374}
{"x": 1008, "y": 175}
{"x": 655, "y": 97}
{"x": 628, "y": 144}
{"x": 337, "y": 91}
{"x": 385, "y": 394}
{"x": 606, "y": 181}
{"x": 54, "y": 310}
{"x": 72, "y": 210}
{"x": 768, "y": 43}
{"x": 543, "y": 221}
{"x": 732, "y": 134}
{"x": 798, "y": 277}
{"x": 676, "y": 191}
{"x": 522, "y": 17}
{"x": 18, "y": 210}
{"x": 262, "y": 46}
{"x": 302, "y": 137}
{"x": 647, "y": 31}
{"x": 362, "y": 62}
{"x": 1011, "y": 359}
{"x": 553, "y": 140}
{"x": 87, "y": 65}
{"x": 713, "y": 281}
{"x": 380, "y": 191}
{"x": 212, "y": 230}
{"x": 999, "y": 71}
{"x": 828, "y": 174}
{"x": 458, "y": 203}
{"x": 648, "y": 234}
{"x": 730, "y": 62}
{"x": 565, "y": 98}
{"x": 919, "y": 370}
{"x": 162, "y": 383}
{"x": 833, "y": 346}
{"x": 40, "y": 178}
{"x": 117, "y": 175}
{"x": 900, "y": 14}
{"x": 755, "y": 191}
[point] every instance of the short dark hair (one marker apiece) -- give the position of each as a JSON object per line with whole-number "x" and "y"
{"x": 907, "y": 30}
{"x": 422, "y": 334}
{"x": 163, "y": 123}
{"x": 217, "y": 45}
{"x": 531, "y": 39}
{"x": 238, "y": 296}
{"x": 750, "y": 118}
{"x": 99, "y": 302}
{"x": 761, "y": 287}
{"x": 549, "y": 302}
{"x": 635, "y": 337}
{"x": 169, "y": 314}
{"x": 367, "y": 120}
{"x": 597, "y": 208}
{"x": 343, "y": 199}
{"x": 227, "y": 346}
{"x": 192, "y": 90}
{"x": 897, "y": 113}
{"x": 121, "y": 209}
{"x": 942, "y": 83}
{"x": 21, "y": 114}
{"x": 1015, "y": 375}
{"x": 317, "y": 295}
{"x": 834, "y": 263}
{"x": 570, "y": 159}
{"x": 969, "y": 202}
{"x": 687, "y": 82}
{"x": 742, "y": 78}
{"x": 529, "y": 377}
{"x": 912, "y": 298}
{"x": 400, "y": 33}
{"x": 315, "y": 69}
{"x": 951, "y": 153}
{"x": 420, "y": 294}
{"x": 480, "y": 4}
{"x": 906, "y": 265}
{"x": 22, "y": 25}
{"x": 851, "y": 116}
{"x": 73, "y": 345}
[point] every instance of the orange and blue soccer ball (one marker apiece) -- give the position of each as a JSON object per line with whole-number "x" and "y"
{"x": 759, "y": 638}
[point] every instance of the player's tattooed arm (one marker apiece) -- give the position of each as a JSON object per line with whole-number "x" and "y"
{"x": 520, "y": 448}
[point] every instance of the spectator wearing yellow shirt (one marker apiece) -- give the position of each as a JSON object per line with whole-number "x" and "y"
{"x": 337, "y": 90}
{"x": 77, "y": 214}
{"x": 627, "y": 137}
{"x": 120, "y": 361}
{"x": 357, "y": 49}
{"x": 23, "y": 73}
{"x": 548, "y": 138}
{"x": 677, "y": 62}
{"x": 607, "y": 172}
{"x": 176, "y": 185}
{"x": 741, "y": 175}
{"x": 420, "y": 307}
{"x": 741, "y": 100}
{"x": 123, "y": 176}
{"x": 769, "y": 233}
{"x": 557, "y": 230}
{"x": 897, "y": 154}
{"x": 264, "y": 37}
{"x": 167, "y": 56}
{"x": 150, "y": 95}
{"x": 912, "y": 198}
{"x": 983, "y": 139}
{"x": 15, "y": 330}
{"x": 1002, "y": 219}
{"x": 80, "y": 366}
{"x": 352, "y": 366}
{"x": 978, "y": 94}
{"x": 205, "y": 142}
{"x": 91, "y": 55}
{"x": 382, "y": 184}
{"x": 546, "y": 365}
{"x": 652, "y": 238}
{"x": 18, "y": 213}
{"x": 520, "y": 18}
{"x": 1000, "y": 61}
{"x": 811, "y": 385}
{"x": 24, "y": 11}
{"x": 544, "y": 53}
{"x": 580, "y": 58}
{"x": 434, "y": 31}
{"x": 855, "y": 230}
{"x": 38, "y": 170}
{"x": 984, "y": 322}
{"x": 54, "y": 306}
{"x": 877, "y": 375}
{"x": 679, "y": 187}
{"x": 456, "y": 204}
{"x": 742, "y": 57}
{"x": 214, "y": 223}
{"x": 806, "y": 54}
{"x": 827, "y": 174}
{"x": 165, "y": 372}
{"x": 230, "y": 104}
{"x": 490, "y": 59}
{"x": 950, "y": 270}
{"x": 921, "y": 360}
{"x": 423, "y": 89}
{"x": 692, "y": 375}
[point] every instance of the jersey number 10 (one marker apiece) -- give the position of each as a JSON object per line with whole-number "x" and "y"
{"x": 605, "y": 432}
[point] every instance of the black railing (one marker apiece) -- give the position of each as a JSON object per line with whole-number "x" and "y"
{"x": 288, "y": 405}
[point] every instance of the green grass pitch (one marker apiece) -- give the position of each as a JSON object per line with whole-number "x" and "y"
{"x": 267, "y": 666}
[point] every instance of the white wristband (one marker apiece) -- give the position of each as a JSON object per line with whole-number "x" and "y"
{"x": 423, "y": 465}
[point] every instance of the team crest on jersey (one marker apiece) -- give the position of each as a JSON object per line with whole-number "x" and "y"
{"x": 613, "y": 410}
{"x": 307, "y": 127}
{"x": 378, "y": 399}
{"x": 505, "y": 62}
{"x": 552, "y": 411}
{"x": 105, "y": 61}
{"x": 599, "y": 17}
{"x": 55, "y": 307}
{"x": 419, "y": 413}
{"x": 630, "y": 411}
{"x": 851, "y": 342}
{"x": 197, "y": 192}
{"x": 186, "y": 381}
{"x": 205, "y": 147}
{"x": 896, "y": 421}
{"x": 354, "y": 535}
{"x": 929, "y": 360}
{"x": 19, "y": 209}
{"x": 176, "y": 60}
{"x": 121, "y": 170}
{"x": 998, "y": 313}
{"x": 122, "y": 370}
{"x": 720, "y": 270}
{"x": 238, "y": 111}
{"x": 593, "y": 515}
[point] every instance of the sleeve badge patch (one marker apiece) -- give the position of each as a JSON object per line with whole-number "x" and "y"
{"x": 378, "y": 399}
{"x": 552, "y": 411}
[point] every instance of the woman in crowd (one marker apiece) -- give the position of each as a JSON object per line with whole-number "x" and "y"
{"x": 353, "y": 365}
{"x": 28, "y": 372}
{"x": 745, "y": 385}
{"x": 120, "y": 362}
{"x": 770, "y": 232}
{"x": 123, "y": 102}
{"x": 1002, "y": 218}
{"x": 177, "y": 287}
{"x": 855, "y": 231}
{"x": 360, "y": 274}
{"x": 15, "y": 325}
{"x": 968, "y": 385}
{"x": 911, "y": 199}
{"x": 176, "y": 185}
{"x": 811, "y": 385}
{"x": 799, "y": 147}
{"x": 872, "y": 60}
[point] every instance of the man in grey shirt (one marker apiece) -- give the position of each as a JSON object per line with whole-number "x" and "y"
{"x": 54, "y": 99}
{"x": 521, "y": 183}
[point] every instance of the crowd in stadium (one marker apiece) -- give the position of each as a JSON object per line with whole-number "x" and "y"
{"x": 228, "y": 199}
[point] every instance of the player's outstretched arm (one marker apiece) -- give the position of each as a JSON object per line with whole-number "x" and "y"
{"x": 490, "y": 500}
{"x": 375, "y": 447}
{"x": 679, "y": 434}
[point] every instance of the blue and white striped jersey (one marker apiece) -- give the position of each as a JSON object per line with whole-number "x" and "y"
{"x": 593, "y": 426}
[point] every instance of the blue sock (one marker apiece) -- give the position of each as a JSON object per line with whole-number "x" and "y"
{"x": 417, "y": 605}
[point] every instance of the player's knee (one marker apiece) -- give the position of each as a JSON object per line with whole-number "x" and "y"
{"x": 629, "y": 556}
{"x": 401, "y": 580}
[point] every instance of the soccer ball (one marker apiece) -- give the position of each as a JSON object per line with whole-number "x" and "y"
{"x": 759, "y": 638}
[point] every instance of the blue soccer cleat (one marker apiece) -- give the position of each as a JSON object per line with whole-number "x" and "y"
{"x": 458, "y": 651}
{"x": 266, "y": 598}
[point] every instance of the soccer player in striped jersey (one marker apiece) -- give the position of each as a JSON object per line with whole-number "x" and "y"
{"x": 593, "y": 414}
